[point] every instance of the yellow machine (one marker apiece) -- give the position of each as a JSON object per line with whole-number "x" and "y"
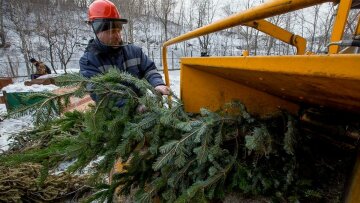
{"x": 268, "y": 84}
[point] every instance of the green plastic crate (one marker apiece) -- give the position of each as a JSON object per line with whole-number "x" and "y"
{"x": 16, "y": 100}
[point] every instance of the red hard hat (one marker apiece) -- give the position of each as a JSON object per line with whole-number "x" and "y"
{"x": 101, "y": 9}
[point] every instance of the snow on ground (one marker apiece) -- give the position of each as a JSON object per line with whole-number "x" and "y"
{"x": 68, "y": 70}
{"x": 174, "y": 77}
{"x": 60, "y": 72}
{"x": 20, "y": 87}
{"x": 10, "y": 126}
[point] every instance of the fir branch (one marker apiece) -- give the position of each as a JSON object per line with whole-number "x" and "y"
{"x": 166, "y": 156}
{"x": 259, "y": 141}
{"x": 71, "y": 80}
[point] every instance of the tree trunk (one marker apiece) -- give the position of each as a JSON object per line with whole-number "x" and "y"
{"x": 313, "y": 34}
{"x": 131, "y": 31}
{"x": 11, "y": 67}
{"x": 51, "y": 53}
{"x": 256, "y": 42}
{"x": 25, "y": 52}
{"x": 270, "y": 45}
{"x": 2, "y": 32}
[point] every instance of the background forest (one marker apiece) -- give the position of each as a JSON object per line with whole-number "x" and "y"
{"x": 55, "y": 32}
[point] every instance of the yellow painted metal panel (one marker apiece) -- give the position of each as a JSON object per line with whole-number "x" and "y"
{"x": 342, "y": 65}
{"x": 327, "y": 80}
{"x": 200, "y": 89}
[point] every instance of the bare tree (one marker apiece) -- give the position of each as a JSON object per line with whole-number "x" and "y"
{"x": 19, "y": 11}
{"x": 318, "y": 30}
{"x": 82, "y": 3}
{"x": 162, "y": 9}
{"x": 288, "y": 20}
{"x": 131, "y": 10}
{"x": 316, "y": 10}
{"x": 181, "y": 21}
{"x": 225, "y": 42}
{"x": 67, "y": 38}
{"x": 146, "y": 24}
{"x": 2, "y": 31}
{"x": 325, "y": 27}
{"x": 13, "y": 69}
{"x": 312, "y": 30}
{"x": 66, "y": 4}
{"x": 46, "y": 28}
{"x": 248, "y": 34}
{"x": 9, "y": 69}
{"x": 350, "y": 25}
{"x": 206, "y": 11}
{"x": 189, "y": 24}
{"x": 229, "y": 33}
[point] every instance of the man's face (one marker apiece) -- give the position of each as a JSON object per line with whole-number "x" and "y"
{"x": 110, "y": 37}
{"x": 108, "y": 31}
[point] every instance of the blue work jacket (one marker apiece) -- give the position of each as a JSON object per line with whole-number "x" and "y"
{"x": 98, "y": 59}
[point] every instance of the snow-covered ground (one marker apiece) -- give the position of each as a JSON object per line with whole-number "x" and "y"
{"x": 20, "y": 87}
{"x": 14, "y": 125}
{"x": 174, "y": 77}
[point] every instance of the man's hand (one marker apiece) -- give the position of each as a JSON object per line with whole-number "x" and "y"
{"x": 163, "y": 89}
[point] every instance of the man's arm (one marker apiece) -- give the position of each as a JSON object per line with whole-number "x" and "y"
{"x": 152, "y": 76}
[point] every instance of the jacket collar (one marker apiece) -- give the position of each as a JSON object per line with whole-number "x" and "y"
{"x": 97, "y": 48}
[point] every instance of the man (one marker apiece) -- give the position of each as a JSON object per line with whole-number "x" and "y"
{"x": 41, "y": 68}
{"x": 108, "y": 50}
